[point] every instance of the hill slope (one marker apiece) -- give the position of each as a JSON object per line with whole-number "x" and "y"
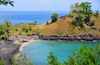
{"x": 62, "y": 27}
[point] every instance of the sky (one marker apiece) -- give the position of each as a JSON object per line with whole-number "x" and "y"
{"x": 46, "y": 5}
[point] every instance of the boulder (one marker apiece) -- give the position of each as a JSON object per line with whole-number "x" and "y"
{"x": 16, "y": 42}
{"x": 94, "y": 27}
{"x": 25, "y": 40}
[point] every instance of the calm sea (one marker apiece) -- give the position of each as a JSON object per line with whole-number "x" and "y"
{"x": 17, "y": 17}
{"x": 38, "y": 51}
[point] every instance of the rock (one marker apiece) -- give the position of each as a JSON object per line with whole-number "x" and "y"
{"x": 16, "y": 42}
{"x": 21, "y": 40}
{"x": 25, "y": 40}
{"x": 94, "y": 27}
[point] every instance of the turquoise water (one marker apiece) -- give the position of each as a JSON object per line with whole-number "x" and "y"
{"x": 18, "y": 17}
{"x": 38, "y": 51}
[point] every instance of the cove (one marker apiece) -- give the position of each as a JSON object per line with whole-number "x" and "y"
{"x": 38, "y": 50}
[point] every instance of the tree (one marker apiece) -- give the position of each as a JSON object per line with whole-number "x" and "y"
{"x": 84, "y": 56}
{"x": 6, "y": 25}
{"x": 52, "y": 60}
{"x": 54, "y": 17}
{"x": 34, "y": 22}
{"x": 5, "y": 2}
{"x": 22, "y": 60}
{"x": 97, "y": 13}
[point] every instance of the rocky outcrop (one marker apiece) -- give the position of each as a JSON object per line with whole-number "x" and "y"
{"x": 80, "y": 37}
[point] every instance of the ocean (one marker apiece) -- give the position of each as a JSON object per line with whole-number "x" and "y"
{"x": 18, "y": 17}
{"x": 38, "y": 50}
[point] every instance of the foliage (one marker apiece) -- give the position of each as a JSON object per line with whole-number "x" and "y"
{"x": 26, "y": 30}
{"x": 97, "y": 13}
{"x": 30, "y": 28}
{"x": 28, "y": 34}
{"x": 5, "y": 2}
{"x": 54, "y": 17}
{"x": 84, "y": 56}
{"x": 92, "y": 21}
{"x": 85, "y": 29}
{"x": 34, "y": 22}
{"x": 81, "y": 13}
{"x": 16, "y": 29}
{"x": 52, "y": 60}
{"x": 2, "y": 62}
{"x": 22, "y": 60}
{"x": 6, "y": 26}
{"x": 41, "y": 34}
{"x": 47, "y": 23}
{"x": 23, "y": 27}
{"x": 20, "y": 33}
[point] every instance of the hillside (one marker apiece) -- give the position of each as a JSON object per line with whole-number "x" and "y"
{"x": 63, "y": 26}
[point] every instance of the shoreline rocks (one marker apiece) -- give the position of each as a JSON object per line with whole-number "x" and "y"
{"x": 80, "y": 37}
{"x": 8, "y": 49}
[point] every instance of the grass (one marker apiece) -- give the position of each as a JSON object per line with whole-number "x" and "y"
{"x": 61, "y": 27}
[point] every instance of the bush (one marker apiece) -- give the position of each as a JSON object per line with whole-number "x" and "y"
{"x": 16, "y": 29}
{"x": 41, "y": 34}
{"x": 20, "y": 33}
{"x": 22, "y": 60}
{"x": 85, "y": 29}
{"x": 84, "y": 56}
{"x": 47, "y": 23}
{"x": 81, "y": 24}
{"x": 23, "y": 27}
{"x": 26, "y": 30}
{"x": 2, "y": 62}
{"x": 30, "y": 28}
{"x": 92, "y": 21}
{"x": 54, "y": 17}
{"x": 28, "y": 34}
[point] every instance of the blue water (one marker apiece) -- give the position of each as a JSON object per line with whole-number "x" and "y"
{"x": 38, "y": 51}
{"x": 18, "y": 17}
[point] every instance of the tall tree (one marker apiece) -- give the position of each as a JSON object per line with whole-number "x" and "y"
{"x": 7, "y": 24}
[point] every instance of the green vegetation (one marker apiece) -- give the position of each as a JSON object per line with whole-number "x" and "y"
{"x": 34, "y": 23}
{"x": 54, "y": 17}
{"x": 97, "y": 13}
{"x": 84, "y": 56}
{"x": 6, "y": 27}
{"x": 5, "y": 2}
{"x": 2, "y": 62}
{"x": 81, "y": 14}
{"x": 28, "y": 34}
{"x": 16, "y": 28}
{"x": 22, "y": 60}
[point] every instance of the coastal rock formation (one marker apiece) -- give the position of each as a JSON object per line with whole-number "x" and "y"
{"x": 80, "y": 37}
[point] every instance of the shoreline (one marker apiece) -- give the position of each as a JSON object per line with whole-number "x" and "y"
{"x": 20, "y": 48}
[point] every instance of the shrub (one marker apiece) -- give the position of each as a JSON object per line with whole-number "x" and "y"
{"x": 81, "y": 24}
{"x": 23, "y": 27}
{"x": 16, "y": 29}
{"x": 30, "y": 23}
{"x": 92, "y": 21}
{"x": 26, "y": 30}
{"x": 41, "y": 34}
{"x": 54, "y": 17}
{"x": 20, "y": 33}
{"x": 47, "y": 23}
{"x": 34, "y": 22}
{"x": 84, "y": 56}
{"x": 85, "y": 29}
{"x": 28, "y": 34}
{"x": 22, "y": 60}
{"x": 30, "y": 28}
